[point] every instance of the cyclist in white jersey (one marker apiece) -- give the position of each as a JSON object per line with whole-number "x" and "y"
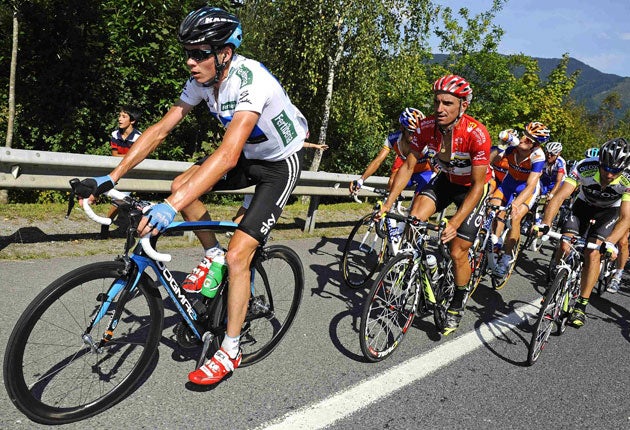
{"x": 261, "y": 146}
{"x": 604, "y": 196}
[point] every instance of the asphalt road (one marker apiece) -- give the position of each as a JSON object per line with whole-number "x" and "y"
{"x": 317, "y": 378}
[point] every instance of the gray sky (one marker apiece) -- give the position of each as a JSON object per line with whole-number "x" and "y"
{"x": 594, "y": 32}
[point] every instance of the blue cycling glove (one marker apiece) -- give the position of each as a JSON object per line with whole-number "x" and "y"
{"x": 94, "y": 186}
{"x": 161, "y": 215}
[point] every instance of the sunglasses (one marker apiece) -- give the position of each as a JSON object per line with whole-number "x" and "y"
{"x": 613, "y": 170}
{"x": 198, "y": 54}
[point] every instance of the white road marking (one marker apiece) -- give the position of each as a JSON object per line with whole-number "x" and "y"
{"x": 345, "y": 403}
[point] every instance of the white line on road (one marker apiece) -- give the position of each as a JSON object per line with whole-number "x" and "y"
{"x": 338, "y": 406}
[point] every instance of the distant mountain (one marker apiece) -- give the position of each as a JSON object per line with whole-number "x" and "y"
{"x": 592, "y": 85}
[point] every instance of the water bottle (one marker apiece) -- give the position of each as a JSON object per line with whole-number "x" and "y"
{"x": 432, "y": 267}
{"x": 497, "y": 243}
{"x": 392, "y": 227}
{"x": 216, "y": 273}
{"x": 508, "y": 138}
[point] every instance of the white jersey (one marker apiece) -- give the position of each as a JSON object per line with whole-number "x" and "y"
{"x": 249, "y": 86}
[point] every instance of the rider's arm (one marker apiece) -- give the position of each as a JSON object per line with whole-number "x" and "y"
{"x": 554, "y": 190}
{"x": 552, "y": 208}
{"x": 374, "y": 164}
{"x": 556, "y": 187}
{"x": 222, "y": 160}
{"x": 495, "y": 156}
{"x": 623, "y": 223}
{"x": 473, "y": 196}
{"x": 150, "y": 139}
{"x": 401, "y": 180}
{"x": 530, "y": 187}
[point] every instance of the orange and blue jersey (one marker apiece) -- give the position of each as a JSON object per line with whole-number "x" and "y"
{"x": 393, "y": 141}
{"x": 500, "y": 164}
{"x": 515, "y": 180}
{"x": 520, "y": 170}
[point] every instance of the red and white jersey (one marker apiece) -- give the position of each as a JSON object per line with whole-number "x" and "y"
{"x": 470, "y": 147}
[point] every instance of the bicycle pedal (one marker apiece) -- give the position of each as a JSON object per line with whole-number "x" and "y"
{"x": 207, "y": 339}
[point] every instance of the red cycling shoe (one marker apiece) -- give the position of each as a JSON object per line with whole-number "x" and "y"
{"x": 215, "y": 369}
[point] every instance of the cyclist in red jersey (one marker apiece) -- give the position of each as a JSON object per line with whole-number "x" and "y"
{"x": 462, "y": 149}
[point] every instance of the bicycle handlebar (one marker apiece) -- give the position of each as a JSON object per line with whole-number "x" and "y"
{"x": 380, "y": 192}
{"x": 571, "y": 239}
{"x": 145, "y": 241}
{"x": 413, "y": 220}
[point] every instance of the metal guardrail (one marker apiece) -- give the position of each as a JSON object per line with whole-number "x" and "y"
{"x": 45, "y": 170}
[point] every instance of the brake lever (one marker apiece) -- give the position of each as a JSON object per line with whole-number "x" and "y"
{"x": 72, "y": 196}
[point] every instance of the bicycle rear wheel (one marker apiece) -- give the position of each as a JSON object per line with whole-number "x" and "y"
{"x": 550, "y": 313}
{"x": 364, "y": 252}
{"x": 51, "y": 371}
{"x": 389, "y": 309}
{"x": 278, "y": 285}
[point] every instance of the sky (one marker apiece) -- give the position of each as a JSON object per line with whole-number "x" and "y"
{"x": 596, "y": 32}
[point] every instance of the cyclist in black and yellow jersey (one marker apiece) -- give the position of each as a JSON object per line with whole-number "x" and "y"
{"x": 604, "y": 196}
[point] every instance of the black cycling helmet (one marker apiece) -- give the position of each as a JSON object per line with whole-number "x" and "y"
{"x": 210, "y": 25}
{"x": 614, "y": 154}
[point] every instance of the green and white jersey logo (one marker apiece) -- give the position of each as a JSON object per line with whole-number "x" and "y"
{"x": 285, "y": 128}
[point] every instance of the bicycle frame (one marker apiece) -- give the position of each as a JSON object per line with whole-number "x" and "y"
{"x": 572, "y": 262}
{"x": 137, "y": 264}
{"x": 416, "y": 244}
{"x": 492, "y": 213}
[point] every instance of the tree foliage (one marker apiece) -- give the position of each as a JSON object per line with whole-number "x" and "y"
{"x": 351, "y": 66}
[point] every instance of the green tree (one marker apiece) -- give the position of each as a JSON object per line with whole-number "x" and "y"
{"x": 334, "y": 57}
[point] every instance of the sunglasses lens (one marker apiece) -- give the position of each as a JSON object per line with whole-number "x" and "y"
{"x": 197, "y": 54}
{"x": 613, "y": 170}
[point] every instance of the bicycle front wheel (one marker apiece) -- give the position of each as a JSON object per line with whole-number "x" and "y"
{"x": 278, "y": 285}
{"x": 443, "y": 296}
{"x": 364, "y": 252}
{"x": 389, "y": 309}
{"x": 606, "y": 268}
{"x": 549, "y": 314}
{"x": 53, "y": 371}
{"x": 499, "y": 282}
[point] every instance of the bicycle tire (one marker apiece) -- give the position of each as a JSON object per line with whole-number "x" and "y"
{"x": 389, "y": 309}
{"x": 50, "y": 373}
{"x": 573, "y": 291}
{"x": 603, "y": 281}
{"x": 443, "y": 295}
{"x": 361, "y": 260}
{"x": 526, "y": 229}
{"x": 550, "y": 313}
{"x": 498, "y": 282}
{"x": 478, "y": 257}
{"x": 278, "y": 288}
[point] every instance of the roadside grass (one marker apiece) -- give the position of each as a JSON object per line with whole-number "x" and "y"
{"x": 29, "y": 231}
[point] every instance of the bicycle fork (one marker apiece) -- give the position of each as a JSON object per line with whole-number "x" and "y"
{"x": 122, "y": 288}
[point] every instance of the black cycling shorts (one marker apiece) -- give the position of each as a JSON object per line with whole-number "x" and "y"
{"x": 581, "y": 215}
{"x": 274, "y": 181}
{"x": 443, "y": 192}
